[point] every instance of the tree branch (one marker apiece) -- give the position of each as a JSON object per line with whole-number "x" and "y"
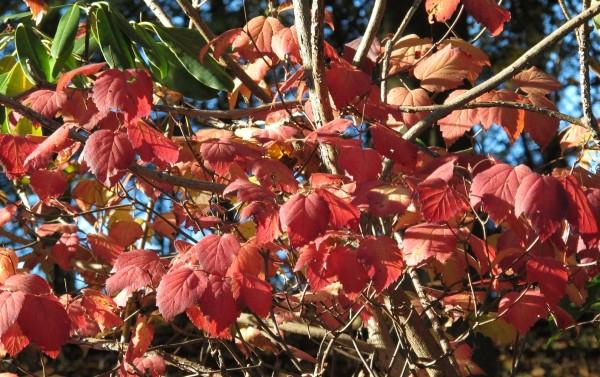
{"x": 584, "y": 74}
{"x": 369, "y": 36}
{"x": 159, "y": 13}
{"x": 226, "y": 114}
{"x": 233, "y": 66}
{"x": 504, "y": 75}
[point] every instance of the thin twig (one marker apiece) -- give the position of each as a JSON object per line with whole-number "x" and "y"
{"x": 372, "y": 28}
{"x": 159, "y": 13}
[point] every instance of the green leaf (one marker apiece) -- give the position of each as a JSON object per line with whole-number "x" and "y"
{"x": 186, "y": 44}
{"x": 64, "y": 39}
{"x": 23, "y": 127}
{"x": 32, "y": 54}
{"x": 178, "y": 78}
{"x": 14, "y": 81}
{"x": 115, "y": 47}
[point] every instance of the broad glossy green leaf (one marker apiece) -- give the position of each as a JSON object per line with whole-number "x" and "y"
{"x": 32, "y": 54}
{"x": 178, "y": 78}
{"x": 14, "y": 81}
{"x": 186, "y": 44}
{"x": 64, "y": 39}
{"x": 115, "y": 47}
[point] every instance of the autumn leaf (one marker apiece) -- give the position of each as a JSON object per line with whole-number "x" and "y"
{"x": 304, "y": 218}
{"x": 48, "y": 184}
{"x": 150, "y": 144}
{"x": 446, "y": 69}
{"x": 551, "y": 276}
{"x": 108, "y": 154}
{"x": 535, "y": 81}
{"x": 135, "y": 270}
{"x": 428, "y": 241}
{"x": 127, "y": 91}
{"x": 488, "y": 13}
{"x": 523, "y": 310}
{"x": 14, "y": 151}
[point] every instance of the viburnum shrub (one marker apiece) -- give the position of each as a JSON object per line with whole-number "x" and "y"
{"x": 134, "y": 208}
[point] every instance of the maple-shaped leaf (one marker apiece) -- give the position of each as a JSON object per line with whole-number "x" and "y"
{"x": 221, "y": 153}
{"x": 304, "y": 218}
{"x": 541, "y": 127}
{"x": 85, "y": 70}
{"x": 454, "y": 125}
{"x": 247, "y": 191}
{"x": 394, "y": 147}
{"x": 26, "y": 299}
{"x": 48, "y": 184}
{"x": 257, "y": 36}
{"x": 314, "y": 260}
{"x": 286, "y": 46}
{"x": 108, "y": 154}
{"x": 128, "y": 91}
{"x": 401, "y": 96}
{"x": 440, "y": 201}
{"x": 496, "y": 188}
{"x": 216, "y": 253}
{"x": 428, "y": 241}
{"x": 523, "y": 310}
{"x": 351, "y": 272}
{"x": 179, "y": 289}
{"x": 342, "y": 213}
{"x": 446, "y": 69}
{"x": 105, "y": 249}
{"x": 252, "y": 292}
{"x": 534, "y": 80}
{"x": 579, "y": 213}
{"x": 407, "y": 52}
{"x": 101, "y": 309}
{"x": 266, "y": 217}
{"x": 363, "y": 164}
{"x": 13, "y": 153}
{"x": 383, "y": 259}
{"x": 13, "y": 341}
{"x": 511, "y": 120}
{"x": 125, "y": 232}
{"x": 345, "y": 83}
{"x": 273, "y": 173}
{"x": 218, "y": 306}
{"x": 135, "y": 270}
{"x": 440, "y": 10}
{"x": 151, "y": 144}
{"x": 488, "y": 13}
{"x": 551, "y": 276}
{"x": 542, "y": 199}
{"x": 46, "y": 102}
{"x": 55, "y": 143}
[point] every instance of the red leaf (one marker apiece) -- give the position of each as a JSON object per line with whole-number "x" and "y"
{"x": 342, "y": 213}
{"x": 362, "y": 164}
{"x": 349, "y": 270}
{"x": 400, "y": 96}
{"x": 304, "y": 218}
{"x": 221, "y": 43}
{"x": 48, "y": 184}
{"x": 542, "y": 199}
{"x": 383, "y": 259}
{"x": 135, "y": 270}
{"x": 7, "y": 213}
{"x": 392, "y": 146}
{"x": 108, "y": 154}
{"x": 125, "y": 232}
{"x": 446, "y": 69}
{"x": 85, "y": 70}
{"x": 143, "y": 335}
{"x": 551, "y": 276}
{"x": 45, "y": 322}
{"x": 216, "y": 253}
{"x": 8, "y": 264}
{"x": 152, "y": 366}
{"x": 346, "y": 82}
{"x": 266, "y": 217}
{"x": 439, "y": 201}
{"x": 14, "y": 341}
{"x": 496, "y": 188}
{"x": 253, "y": 293}
{"x": 274, "y": 174}
{"x": 10, "y": 307}
{"x": 27, "y": 283}
{"x": 314, "y": 260}
{"x": 248, "y": 191}
{"x": 540, "y": 127}
{"x": 38, "y": 7}
{"x": 102, "y": 309}
{"x": 511, "y": 120}
{"x": 58, "y": 141}
{"x": 151, "y": 144}
{"x": 127, "y": 91}
{"x": 286, "y": 46}
{"x": 257, "y": 35}
{"x": 13, "y": 153}
{"x": 534, "y": 80}
{"x": 440, "y": 10}
{"x": 488, "y": 13}
{"x": 104, "y": 249}
{"x": 457, "y": 123}
{"x": 179, "y": 289}
{"x": 46, "y": 102}
{"x": 523, "y": 312}
{"x": 218, "y": 305}
{"x": 579, "y": 212}
{"x": 428, "y": 241}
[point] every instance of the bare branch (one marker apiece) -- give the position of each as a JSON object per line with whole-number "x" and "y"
{"x": 369, "y": 36}
{"x": 584, "y": 74}
{"x": 159, "y": 13}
